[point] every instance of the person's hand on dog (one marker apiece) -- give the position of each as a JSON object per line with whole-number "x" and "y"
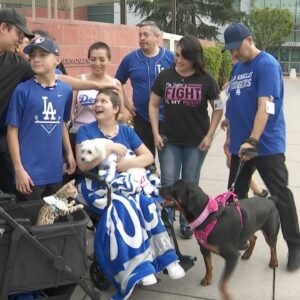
{"x": 123, "y": 165}
{"x": 23, "y": 182}
{"x": 116, "y": 148}
{"x": 206, "y": 143}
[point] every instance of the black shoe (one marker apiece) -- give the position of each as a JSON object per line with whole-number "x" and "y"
{"x": 186, "y": 233}
{"x": 293, "y": 259}
{"x": 263, "y": 194}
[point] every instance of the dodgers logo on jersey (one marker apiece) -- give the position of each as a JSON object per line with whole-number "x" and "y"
{"x": 240, "y": 82}
{"x": 50, "y": 119}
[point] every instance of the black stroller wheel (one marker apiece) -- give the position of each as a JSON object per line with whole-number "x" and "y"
{"x": 98, "y": 277}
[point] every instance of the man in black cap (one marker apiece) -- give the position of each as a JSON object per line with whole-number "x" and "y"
{"x": 257, "y": 129}
{"x": 14, "y": 69}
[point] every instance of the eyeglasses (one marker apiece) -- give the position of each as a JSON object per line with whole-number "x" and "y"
{"x": 20, "y": 33}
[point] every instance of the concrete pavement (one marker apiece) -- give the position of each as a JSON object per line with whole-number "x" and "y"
{"x": 253, "y": 279}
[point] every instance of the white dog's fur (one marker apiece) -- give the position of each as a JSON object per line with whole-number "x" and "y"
{"x": 92, "y": 149}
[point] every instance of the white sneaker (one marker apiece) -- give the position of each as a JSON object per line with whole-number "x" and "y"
{"x": 175, "y": 271}
{"x": 149, "y": 280}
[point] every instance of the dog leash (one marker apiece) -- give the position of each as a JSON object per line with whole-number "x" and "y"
{"x": 274, "y": 279}
{"x": 241, "y": 164}
{"x": 251, "y": 152}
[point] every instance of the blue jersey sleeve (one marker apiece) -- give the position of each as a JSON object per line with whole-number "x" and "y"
{"x": 134, "y": 140}
{"x": 122, "y": 73}
{"x": 268, "y": 80}
{"x": 82, "y": 134}
{"x": 16, "y": 107}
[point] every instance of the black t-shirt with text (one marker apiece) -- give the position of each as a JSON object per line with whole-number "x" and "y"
{"x": 186, "y": 120}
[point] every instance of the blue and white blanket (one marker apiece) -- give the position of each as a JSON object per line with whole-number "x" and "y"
{"x": 131, "y": 241}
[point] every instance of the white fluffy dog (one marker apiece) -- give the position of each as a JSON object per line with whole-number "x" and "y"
{"x": 92, "y": 149}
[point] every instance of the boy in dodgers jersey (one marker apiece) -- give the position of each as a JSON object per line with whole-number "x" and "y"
{"x": 36, "y": 119}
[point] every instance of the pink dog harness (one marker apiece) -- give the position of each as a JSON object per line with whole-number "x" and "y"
{"x": 211, "y": 207}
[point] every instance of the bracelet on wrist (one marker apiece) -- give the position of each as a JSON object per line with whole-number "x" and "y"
{"x": 252, "y": 141}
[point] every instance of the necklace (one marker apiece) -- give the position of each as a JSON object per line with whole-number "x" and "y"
{"x": 110, "y": 135}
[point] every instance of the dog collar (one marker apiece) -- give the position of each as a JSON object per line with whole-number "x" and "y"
{"x": 212, "y": 206}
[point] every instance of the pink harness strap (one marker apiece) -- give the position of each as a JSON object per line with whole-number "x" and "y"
{"x": 211, "y": 207}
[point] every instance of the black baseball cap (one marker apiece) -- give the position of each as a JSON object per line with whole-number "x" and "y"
{"x": 234, "y": 34}
{"x": 11, "y": 16}
{"x": 44, "y": 43}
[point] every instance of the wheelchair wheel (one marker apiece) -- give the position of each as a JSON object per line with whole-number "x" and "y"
{"x": 98, "y": 277}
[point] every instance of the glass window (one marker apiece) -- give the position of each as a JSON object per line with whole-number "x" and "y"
{"x": 297, "y": 7}
{"x": 290, "y": 37}
{"x": 166, "y": 43}
{"x": 272, "y": 3}
{"x": 258, "y": 4}
{"x": 296, "y": 66}
{"x": 297, "y": 36}
{"x": 285, "y": 67}
{"x": 295, "y": 54}
{"x": 289, "y": 4}
{"x": 284, "y": 54}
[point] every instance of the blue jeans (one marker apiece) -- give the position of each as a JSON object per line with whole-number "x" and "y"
{"x": 179, "y": 159}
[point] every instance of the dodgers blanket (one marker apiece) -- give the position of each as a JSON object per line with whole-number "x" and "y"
{"x": 131, "y": 241}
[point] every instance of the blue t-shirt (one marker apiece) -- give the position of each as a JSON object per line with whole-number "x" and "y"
{"x": 260, "y": 77}
{"x": 142, "y": 71}
{"x": 39, "y": 114}
{"x": 126, "y": 135}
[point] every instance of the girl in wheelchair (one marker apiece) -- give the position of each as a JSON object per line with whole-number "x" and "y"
{"x": 131, "y": 242}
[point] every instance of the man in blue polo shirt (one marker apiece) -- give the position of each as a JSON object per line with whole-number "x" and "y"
{"x": 257, "y": 122}
{"x": 141, "y": 67}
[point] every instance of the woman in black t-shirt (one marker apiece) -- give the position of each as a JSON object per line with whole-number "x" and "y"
{"x": 186, "y": 132}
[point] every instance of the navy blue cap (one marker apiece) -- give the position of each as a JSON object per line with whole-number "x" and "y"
{"x": 234, "y": 34}
{"x": 11, "y": 16}
{"x": 44, "y": 43}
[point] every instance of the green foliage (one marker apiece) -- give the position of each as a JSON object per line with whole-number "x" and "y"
{"x": 225, "y": 69}
{"x": 213, "y": 60}
{"x": 194, "y": 17}
{"x": 218, "y": 64}
{"x": 269, "y": 26}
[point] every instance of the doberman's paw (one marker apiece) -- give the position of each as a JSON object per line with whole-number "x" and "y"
{"x": 246, "y": 255}
{"x": 205, "y": 281}
{"x": 273, "y": 264}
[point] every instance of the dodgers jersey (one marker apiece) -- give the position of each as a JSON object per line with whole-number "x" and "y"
{"x": 39, "y": 114}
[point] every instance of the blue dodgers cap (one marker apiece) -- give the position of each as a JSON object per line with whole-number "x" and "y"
{"x": 234, "y": 34}
{"x": 44, "y": 43}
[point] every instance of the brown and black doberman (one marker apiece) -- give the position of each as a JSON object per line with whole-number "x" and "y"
{"x": 229, "y": 234}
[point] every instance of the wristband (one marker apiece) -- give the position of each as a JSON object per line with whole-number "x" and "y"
{"x": 252, "y": 141}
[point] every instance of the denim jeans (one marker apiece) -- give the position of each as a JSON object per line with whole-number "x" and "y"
{"x": 179, "y": 159}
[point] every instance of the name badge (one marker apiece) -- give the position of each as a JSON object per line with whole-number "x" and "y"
{"x": 218, "y": 104}
{"x": 270, "y": 107}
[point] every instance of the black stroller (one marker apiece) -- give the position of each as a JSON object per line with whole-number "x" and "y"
{"x": 50, "y": 259}
{"x": 96, "y": 274}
